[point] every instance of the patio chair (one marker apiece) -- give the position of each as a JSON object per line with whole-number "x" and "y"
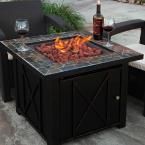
{"x": 136, "y": 68}
{"x": 9, "y": 12}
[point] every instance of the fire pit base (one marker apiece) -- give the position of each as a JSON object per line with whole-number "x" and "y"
{"x": 71, "y": 106}
{"x": 64, "y": 101}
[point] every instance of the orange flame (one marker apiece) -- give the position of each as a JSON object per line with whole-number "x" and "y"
{"x": 72, "y": 44}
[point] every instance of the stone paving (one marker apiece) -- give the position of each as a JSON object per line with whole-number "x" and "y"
{"x": 15, "y": 130}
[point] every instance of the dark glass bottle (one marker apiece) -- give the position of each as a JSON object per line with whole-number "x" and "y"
{"x": 98, "y": 21}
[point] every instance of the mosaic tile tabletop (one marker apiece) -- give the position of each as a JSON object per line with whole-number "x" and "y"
{"x": 47, "y": 67}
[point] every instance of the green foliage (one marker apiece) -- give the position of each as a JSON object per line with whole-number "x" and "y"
{"x": 71, "y": 17}
{"x": 139, "y": 1}
{"x": 53, "y": 29}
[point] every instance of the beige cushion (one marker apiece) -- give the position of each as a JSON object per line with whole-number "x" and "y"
{"x": 140, "y": 64}
{"x": 10, "y": 57}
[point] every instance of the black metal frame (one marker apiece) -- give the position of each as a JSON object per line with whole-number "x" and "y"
{"x": 52, "y": 105}
{"x": 136, "y": 85}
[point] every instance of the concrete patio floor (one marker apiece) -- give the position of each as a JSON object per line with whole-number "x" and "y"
{"x": 15, "y": 130}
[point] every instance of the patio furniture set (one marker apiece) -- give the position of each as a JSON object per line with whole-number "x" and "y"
{"x": 64, "y": 101}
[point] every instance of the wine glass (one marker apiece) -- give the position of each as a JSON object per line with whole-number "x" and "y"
{"x": 22, "y": 28}
{"x": 108, "y": 26}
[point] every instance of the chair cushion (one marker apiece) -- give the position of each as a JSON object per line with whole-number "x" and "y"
{"x": 139, "y": 64}
{"x": 10, "y": 57}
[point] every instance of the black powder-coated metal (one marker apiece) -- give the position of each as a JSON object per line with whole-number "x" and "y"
{"x": 66, "y": 101}
{"x": 67, "y": 108}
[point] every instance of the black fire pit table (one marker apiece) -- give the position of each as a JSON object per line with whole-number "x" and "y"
{"x": 67, "y": 100}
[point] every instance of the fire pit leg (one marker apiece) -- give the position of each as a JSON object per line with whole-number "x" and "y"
{"x": 144, "y": 108}
{"x": 123, "y": 101}
{"x": 52, "y": 142}
{"x": 51, "y": 111}
{"x": 5, "y": 76}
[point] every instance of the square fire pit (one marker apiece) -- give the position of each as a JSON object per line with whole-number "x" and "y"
{"x": 69, "y": 49}
{"x": 65, "y": 96}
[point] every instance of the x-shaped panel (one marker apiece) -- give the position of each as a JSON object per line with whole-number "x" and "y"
{"x": 90, "y": 102}
{"x": 32, "y": 93}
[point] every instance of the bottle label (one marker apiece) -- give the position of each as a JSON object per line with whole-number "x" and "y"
{"x": 97, "y": 26}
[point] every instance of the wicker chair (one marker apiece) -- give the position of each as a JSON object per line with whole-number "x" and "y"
{"x": 9, "y": 12}
{"x": 137, "y": 68}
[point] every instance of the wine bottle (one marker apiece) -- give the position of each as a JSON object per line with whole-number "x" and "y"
{"x": 98, "y": 21}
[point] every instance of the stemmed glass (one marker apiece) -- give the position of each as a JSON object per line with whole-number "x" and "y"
{"x": 108, "y": 26}
{"x": 22, "y": 28}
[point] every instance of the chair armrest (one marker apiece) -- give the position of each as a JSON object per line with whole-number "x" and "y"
{"x": 54, "y": 20}
{"x": 2, "y": 35}
{"x": 130, "y": 25}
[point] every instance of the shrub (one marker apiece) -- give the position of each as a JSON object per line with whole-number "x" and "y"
{"x": 69, "y": 15}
